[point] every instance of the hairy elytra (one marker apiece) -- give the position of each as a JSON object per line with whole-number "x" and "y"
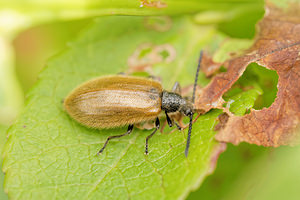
{"x": 114, "y": 101}
{"x": 119, "y": 100}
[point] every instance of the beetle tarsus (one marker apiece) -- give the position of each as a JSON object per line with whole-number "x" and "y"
{"x": 129, "y": 130}
{"x": 102, "y": 149}
{"x": 157, "y": 124}
{"x": 178, "y": 126}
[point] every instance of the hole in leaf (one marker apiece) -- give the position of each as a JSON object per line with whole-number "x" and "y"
{"x": 147, "y": 55}
{"x": 247, "y": 111}
{"x": 222, "y": 69}
{"x": 165, "y": 54}
{"x": 144, "y": 52}
{"x": 267, "y": 79}
{"x": 256, "y": 88}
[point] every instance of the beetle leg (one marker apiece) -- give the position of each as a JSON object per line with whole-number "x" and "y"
{"x": 170, "y": 122}
{"x": 178, "y": 126}
{"x": 149, "y": 136}
{"x": 129, "y": 130}
{"x": 122, "y": 73}
{"x": 176, "y": 88}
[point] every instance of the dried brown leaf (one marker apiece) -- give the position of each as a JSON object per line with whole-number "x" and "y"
{"x": 208, "y": 66}
{"x": 277, "y": 47}
{"x": 153, "y": 4}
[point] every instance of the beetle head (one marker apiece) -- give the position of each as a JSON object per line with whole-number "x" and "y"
{"x": 187, "y": 109}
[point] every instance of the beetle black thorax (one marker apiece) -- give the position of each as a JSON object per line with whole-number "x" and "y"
{"x": 173, "y": 102}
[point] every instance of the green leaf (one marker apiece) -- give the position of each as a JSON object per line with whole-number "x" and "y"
{"x": 231, "y": 46}
{"x": 49, "y": 155}
{"x": 273, "y": 176}
{"x": 236, "y": 18}
{"x": 231, "y": 165}
{"x": 3, "y": 129}
{"x": 242, "y": 102}
{"x": 70, "y": 9}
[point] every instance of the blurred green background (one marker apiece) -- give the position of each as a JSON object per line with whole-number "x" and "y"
{"x": 242, "y": 172}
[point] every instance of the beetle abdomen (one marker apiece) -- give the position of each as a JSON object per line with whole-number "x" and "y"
{"x": 114, "y": 101}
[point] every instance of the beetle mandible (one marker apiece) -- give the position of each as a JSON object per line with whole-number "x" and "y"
{"x": 115, "y": 101}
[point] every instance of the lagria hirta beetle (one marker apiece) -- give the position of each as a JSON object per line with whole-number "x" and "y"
{"x": 115, "y": 101}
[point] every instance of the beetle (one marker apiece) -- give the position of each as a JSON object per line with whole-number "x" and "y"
{"x": 115, "y": 101}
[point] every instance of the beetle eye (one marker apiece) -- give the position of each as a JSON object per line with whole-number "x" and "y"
{"x": 188, "y": 112}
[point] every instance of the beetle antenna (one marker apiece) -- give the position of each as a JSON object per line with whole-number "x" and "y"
{"x": 197, "y": 74}
{"x": 193, "y": 101}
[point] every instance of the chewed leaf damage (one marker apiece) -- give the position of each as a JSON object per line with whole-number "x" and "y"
{"x": 147, "y": 55}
